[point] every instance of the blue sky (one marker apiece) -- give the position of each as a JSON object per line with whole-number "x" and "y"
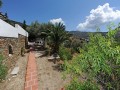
{"x": 72, "y": 12}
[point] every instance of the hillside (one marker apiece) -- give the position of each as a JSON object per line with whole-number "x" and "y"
{"x": 84, "y": 34}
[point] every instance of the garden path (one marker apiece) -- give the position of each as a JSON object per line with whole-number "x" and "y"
{"x": 49, "y": 77}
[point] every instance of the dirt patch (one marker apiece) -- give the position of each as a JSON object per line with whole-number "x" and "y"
{"x": 16, "y": 82}
{"x": 49, "y": 78}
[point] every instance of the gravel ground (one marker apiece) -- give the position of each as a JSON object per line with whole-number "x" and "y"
{"x": 49, "y": 78}
{"x": 16, "y": 82}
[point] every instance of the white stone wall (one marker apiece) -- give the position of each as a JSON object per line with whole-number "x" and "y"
{"x": 7, "y": 30}
{"x": 21, "y": 30}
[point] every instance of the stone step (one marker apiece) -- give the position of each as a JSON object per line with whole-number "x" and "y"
{"x": 15, "y": 71}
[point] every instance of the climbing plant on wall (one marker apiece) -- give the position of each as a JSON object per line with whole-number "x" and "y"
{"x": 3, "y": 69}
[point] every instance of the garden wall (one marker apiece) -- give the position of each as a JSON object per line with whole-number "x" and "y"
{"x": 12, "y": 40}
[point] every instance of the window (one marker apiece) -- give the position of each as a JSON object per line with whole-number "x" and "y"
{"x": 10, "y": 50}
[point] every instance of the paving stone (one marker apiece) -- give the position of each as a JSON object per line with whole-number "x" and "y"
{"x": 15, "y": 71}
{"x": 31, "y": 76}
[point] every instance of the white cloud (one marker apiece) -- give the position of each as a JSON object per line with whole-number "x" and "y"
{"x": 99, "y": 16}
{"x": 58, "y": 20}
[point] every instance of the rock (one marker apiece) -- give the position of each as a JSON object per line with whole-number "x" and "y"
{"x": 38, "y": 55}
{"x": 53, "y": 57}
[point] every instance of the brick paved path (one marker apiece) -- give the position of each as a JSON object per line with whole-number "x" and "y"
{"x": 31, "y": 82}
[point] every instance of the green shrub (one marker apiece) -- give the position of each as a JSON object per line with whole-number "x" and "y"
{"x": 22, "y": 51}
{"x": 99, "y": 60}
{"x": 75, "y": 44}
{"x": 3, "y": 69}
{"x": 87, "y": 85}
{"x": 65, "y": 53}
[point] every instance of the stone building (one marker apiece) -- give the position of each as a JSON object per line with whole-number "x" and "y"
{"x": 12, "y": 42}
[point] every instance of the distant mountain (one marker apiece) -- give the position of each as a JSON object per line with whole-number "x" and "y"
{"x": 84, "y": 34}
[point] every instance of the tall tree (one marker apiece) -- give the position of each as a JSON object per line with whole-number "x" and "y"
{"x": 0, "y": 3}
{"x": 56, "y": 35}
{"x": 33, "y": 30}
{"x": 6, "y": 15}
{"x": 24, "y": 25}
{"x": 98, "y": 63}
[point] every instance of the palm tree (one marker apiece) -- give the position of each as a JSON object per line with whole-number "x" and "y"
{"x": 56, "y": 36}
